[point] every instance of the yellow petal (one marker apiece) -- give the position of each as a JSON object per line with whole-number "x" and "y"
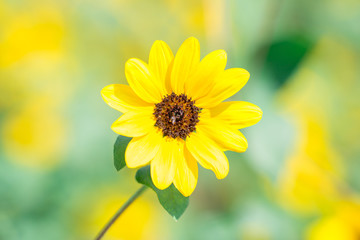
{"x": 227, "y": 84}
{"x": 207, "y": 153}
{"x": 135, "y": 123}
{"x": 159, "y": 60}
{"x": 238, "y": 114}
{"x": 185, "y": 63}
{"x": 122, "y": 98}
{"x": 186, "y": 174}
{"x": 141, "y": 150}
{"x": 226, "y": 137}
{"x": 163, "y": 166}
{"x": 168, "y": 77}
{"x": 142, "y": 81}
{"x": 203, "y": 80}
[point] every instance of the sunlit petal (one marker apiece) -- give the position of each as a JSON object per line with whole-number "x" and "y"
{"x": 142, "y": 81}
{"x": 149, "y": 145}
{"x": 203, "y": 80}
{"x": 237, "y": 114}
{"x": 122, "y": 98}
{"x": 226, "y": 137}
{"x": 134, "y": 124}
{"x": 185, "y": 63}
{"x": 159, "y": 60}
{"x": 163, "y": 165}
{"x": 208, "y": 154}
{"x": 227, "y": 84}
{"x": 186, "y": 173}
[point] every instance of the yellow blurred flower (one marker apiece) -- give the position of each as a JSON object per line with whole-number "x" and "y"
{"x": 343, "y": 224}
{"x": 327, "y": 88}
{"x": 312, "y": 179}
{"x": 173, "y": 110}
{"x": 32, "y": 60}
{"x": 306, "y": 188}
{"x": 309, "y": 180}
{"x": 34, "y": 30}
{"x": 138, "y": 222}
{"x": 35, "y": 135}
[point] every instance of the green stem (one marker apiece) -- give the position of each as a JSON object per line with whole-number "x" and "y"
{"x": 119, "y": 212}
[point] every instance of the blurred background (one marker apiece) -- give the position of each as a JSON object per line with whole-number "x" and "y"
{"x": 299, "y": 179}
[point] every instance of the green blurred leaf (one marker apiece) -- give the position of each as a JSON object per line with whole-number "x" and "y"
{"x": 119, "y": 151}
{"x": 284, "y": 56}
{"x": 170, "y": 198}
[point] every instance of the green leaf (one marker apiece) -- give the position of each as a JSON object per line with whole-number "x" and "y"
{"x": 119, "y": 151}
{"x": 285, "y": 55}
{"x": 170, "y": 198}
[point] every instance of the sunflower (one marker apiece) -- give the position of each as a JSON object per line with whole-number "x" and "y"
{"x": 173, "y": 111}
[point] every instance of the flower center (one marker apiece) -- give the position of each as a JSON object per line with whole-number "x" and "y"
{"x": 176, "y": 115}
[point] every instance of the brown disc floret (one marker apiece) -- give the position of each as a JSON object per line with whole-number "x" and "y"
{"x": 176, "y": 115}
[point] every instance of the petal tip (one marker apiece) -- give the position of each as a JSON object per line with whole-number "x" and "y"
{"x": 192, "y": 38}
{"x": 127, "y": 161}
{"x": 131, "y": 62}
{"x": 186, "y": 193}
{"x": 114, "y": 127}
{"x": 222, "y": 175}
{"x": 245, "y": 147}
{"x": 245, "y": 73}
{"x": 160, "y": 185}
{"x": 193, "y": 42}
{"x": 157, "y": 42}
{"x": 103, "y": 94}
{"x": 259, "y": 113}
{"x": 222, "y": 53}
{"x": 106, "y": 89}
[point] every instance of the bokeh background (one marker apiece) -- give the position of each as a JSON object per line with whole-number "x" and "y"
{"x": 299, "y": 179}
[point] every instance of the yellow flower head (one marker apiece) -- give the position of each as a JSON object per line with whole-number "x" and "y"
{"x": 173, "y": 110}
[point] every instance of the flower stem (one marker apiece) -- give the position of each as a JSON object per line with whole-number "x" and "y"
{"x": 119, "y": 212}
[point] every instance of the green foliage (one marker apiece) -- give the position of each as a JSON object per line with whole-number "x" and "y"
{"x": 170, "y": 198}
{"x": 119, "y": 151}
{"x": 284, "y": 57}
